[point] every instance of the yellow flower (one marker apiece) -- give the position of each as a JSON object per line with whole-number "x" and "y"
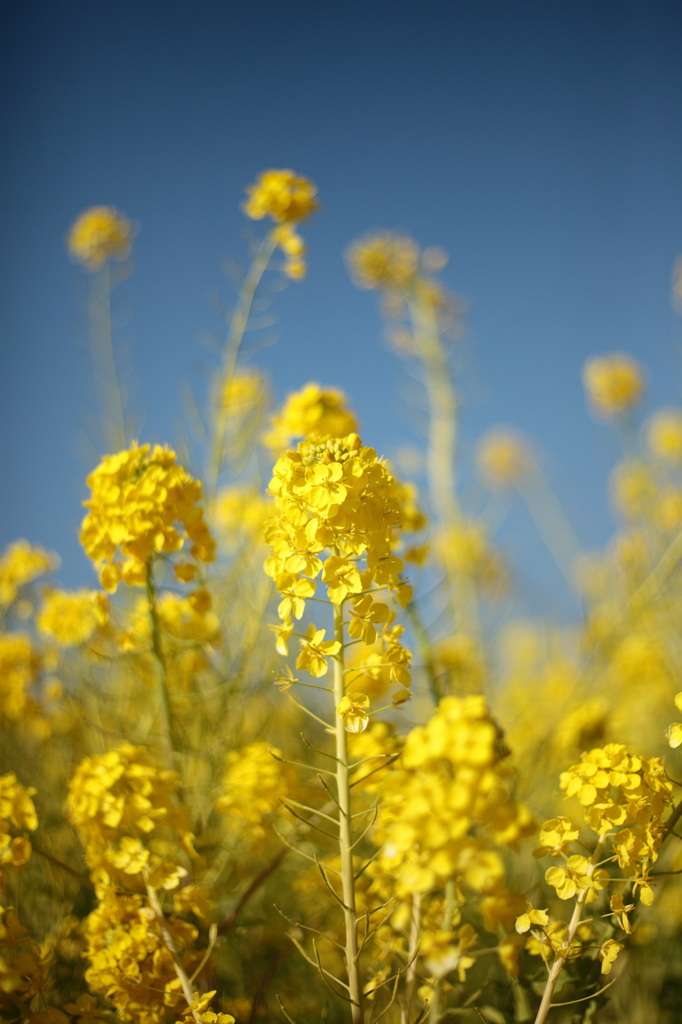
{"x": 71, "y": 618}
{"x": 19, "y": 564}
{"x": 139, "y": 498}
{"x": 555, "y": 836}
{"x": 342, "y": 578}
{"x": 573, "y": 878}
{"x": 316, "y": 650}
{"x": 255, "y": 783}
{"x": 607, "y": 953}
{"x": 311, "y": 412}
{"x": 282, "y": 195}
{"x": 503, "y": 458}
{"x": 614, "y": 383}
{"x": 98, "y": 235}
{"x": 664, "y": 435}
{"x": 353, "y": 710}
{"x": 531, "y": 916}
{"x": 384, "y": 261}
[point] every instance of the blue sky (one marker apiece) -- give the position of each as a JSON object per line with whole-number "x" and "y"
{"x": 539, "y": 143}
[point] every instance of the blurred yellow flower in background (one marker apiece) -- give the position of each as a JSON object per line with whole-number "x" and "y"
{"x": 283, "y": 195}
{"x": 614, "y": 383}
{"x": 101, "y": 233}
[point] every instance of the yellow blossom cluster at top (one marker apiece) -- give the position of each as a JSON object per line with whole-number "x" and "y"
{"x": 311, "y": 412}
{"x": 338, "y": 512}
{"x": 284, "y": 196}
{"x": 384, "y": 261}
{"x": 20, "y": 563}
{"x": 288, "y": 199}
{"x": 614, "y": 383}
{"x": 447, "y": 803}
{"x": 98, "y": 235}
{"x": 335, "y": 494}
{"x": 143, "y": 503}
{"x": 503, "y": 458}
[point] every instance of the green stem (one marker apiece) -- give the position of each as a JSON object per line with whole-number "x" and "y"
{"x": 237, "y": 329}
{"x": 560, "y": 957}
{"x": 345, "y": 833}
{"x": 446, "y": 925}
{"x": 162, "y": 671}
{"x": 441, "y": 456}
{"x": 170, "y": 944}
{"x": 412, "y": 951}
{"x": 107, "y": 378}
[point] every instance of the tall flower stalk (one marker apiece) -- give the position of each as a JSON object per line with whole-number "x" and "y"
{"x": 337, "y": 518}
{"x": 286, "y": 199}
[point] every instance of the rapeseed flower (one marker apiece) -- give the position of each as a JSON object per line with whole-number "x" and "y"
{"x": 664, "y": 435}
{"x": 385, "y": 261}
{"x": 71, "y": 618}
{"x": 614, "y": 384}
{"x": 21, "y": 563}
{"x": 282, "y": 195}
{"x": 142, "y": 504}
{"x": 100, "y": 234}
{"x": 503, "y": 458}
{"x": 313, "y": 411}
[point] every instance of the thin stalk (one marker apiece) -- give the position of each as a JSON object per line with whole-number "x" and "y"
{"x": 443, "y": 413}
{"x": 238, "y": 326}
{"x": 170, "y": 732}
{"x": 413, "y": 947}
{"x": 446, "y": 925}
{"x": 107, "y": 377}
{"x": 552, "y": 524}
{"x": 170, "y": 945}
{"x": 441, "y": 454}
{"x": 560, "y": 957}
{"x": 345, "y": 834}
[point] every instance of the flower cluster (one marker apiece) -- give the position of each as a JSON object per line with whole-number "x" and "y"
{"x": 284, "y": 196}
{"x": 626, "y": 797}
{"x": 17, "y": 812}
{"x": 311, "y": 412}
{"x": 20, "y": 563}
{"x": 255, "y": 783}
{"x": 288, "y": 199}
{"x": 338, "y": 510}
{"x": 664, "y": 435}
{"x": 447, "y": 803}
{"x": 19, "y": 666}
{"x": 129, "y": 961}
{"x": 98, "y": 235}
{"x": 385, "y": 261}
{"x": 125, "y": 810}
{"x": 503, "y": 458}
{"x": 614, "y": 384}
{"x": 626, "y": 800}
{"x": 71, "y": 617}
{"x": 143, "y": 503}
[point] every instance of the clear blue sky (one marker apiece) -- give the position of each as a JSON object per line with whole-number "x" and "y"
{"x": 539, "y": 143}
